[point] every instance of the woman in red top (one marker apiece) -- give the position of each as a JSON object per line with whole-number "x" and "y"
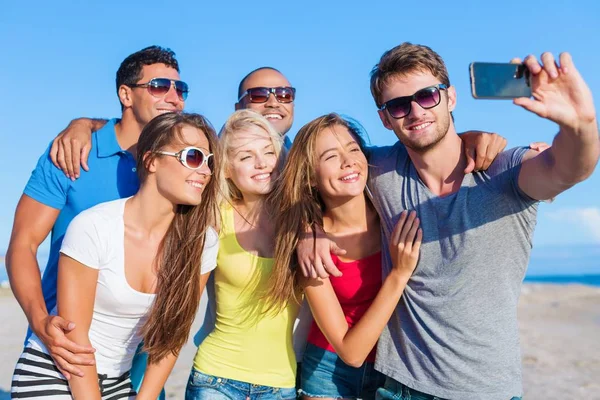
{"x": 324, "y": 183}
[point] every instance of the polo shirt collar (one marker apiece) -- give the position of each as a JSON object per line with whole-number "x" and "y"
{"x": 107, "y": 139}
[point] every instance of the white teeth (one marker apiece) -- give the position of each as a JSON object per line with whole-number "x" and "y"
{"x": 261, "y": 176}
{"x": 196, "y": 184}
{"x": 273, "y": 116}
{"x": 422, "y": 126}
{"x": 350, "y": 177}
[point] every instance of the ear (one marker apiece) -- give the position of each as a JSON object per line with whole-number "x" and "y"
{"x": 451, "y": 98}
{"x": 238, "y": 106}
{"x": 149, "y": 162}
{"x": 226, "y": 172}
{"x": 125, "y": 96}
{"x": 384, "y": 119}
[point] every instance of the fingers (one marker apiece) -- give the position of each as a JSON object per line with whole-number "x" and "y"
{"x": 536, "y": 107}
{"x": 69, "y": 160}
{"x": 532, "y": 64}
{"x": 412, "y": 216}
{"x": 65, "y": 367}
{"x": 539, "y": 146}
{"x": 60, "y": 158}
{"x": 56, "y": 329}
{"x": 496, "y": 146}
{"x": 417, "y": 243}
{"x": 550, "y": 65}
{"x": 85, "y": 152}
{"x": 398, "y": 229}
{"x": 76, "y": 157}
{"x": 54, "y": 152}
{"x": 411, "y": 235}
{"x": 516, "y": 60}
{"x": 481, "y": 154}
{"x": 470, "y": 154}
{"x": 566, "y": 63}
{"x": 335, "y": 249}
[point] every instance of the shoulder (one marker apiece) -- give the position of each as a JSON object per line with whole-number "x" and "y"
{"x": 101, "y": 215}
{"x": 379, "y": 154}
{"x": 510, "y": 159}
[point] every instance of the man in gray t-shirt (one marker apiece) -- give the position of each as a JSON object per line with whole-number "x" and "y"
{"x": 454, "y": 333}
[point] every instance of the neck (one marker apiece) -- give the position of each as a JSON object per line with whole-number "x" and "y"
{"x": 251, "y": 207}
{"x": 150, "y": 213}
{"x": 441, "y": 166}
{"x": 128, "y": 131}
{"x": 347, "y": 215}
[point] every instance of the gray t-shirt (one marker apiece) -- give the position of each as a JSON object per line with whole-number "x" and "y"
{"x": 454, "y": 333}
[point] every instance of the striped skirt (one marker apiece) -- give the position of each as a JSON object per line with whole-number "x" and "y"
{"x": 37, "y": 376}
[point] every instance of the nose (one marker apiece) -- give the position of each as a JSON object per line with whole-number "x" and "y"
{"x": 260, "y": 162}
{"x": 204, "y": 170}
{"x": 348, "y": 160}
{"x": 272, "y": 101}
{"x": 172, "y": 98}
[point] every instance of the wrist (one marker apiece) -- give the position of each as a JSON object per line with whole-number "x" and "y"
{"x": 37, "y": 320}
{"x": 399, "y": 277}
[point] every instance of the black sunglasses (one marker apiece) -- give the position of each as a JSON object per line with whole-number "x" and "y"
{"x": 158, "y": 87}
{"x": 283, "y": 94}
{"x": 428, "y": 97}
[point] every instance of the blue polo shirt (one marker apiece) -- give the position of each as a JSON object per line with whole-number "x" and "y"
{"x": 112, "y": 176}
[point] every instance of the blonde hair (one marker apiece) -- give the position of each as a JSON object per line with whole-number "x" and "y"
{"x": 239, "y": 121}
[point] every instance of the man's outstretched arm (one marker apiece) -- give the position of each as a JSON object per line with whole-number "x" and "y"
{"x": 561, "y": 95}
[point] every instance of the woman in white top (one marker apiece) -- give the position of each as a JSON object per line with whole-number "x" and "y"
{"x": 134, "y": 269}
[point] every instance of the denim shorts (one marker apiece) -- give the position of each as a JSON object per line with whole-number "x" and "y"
{"x": 324, "y": 374}
{"x": 207, "y": 387}
{"x": 397, "y": 391}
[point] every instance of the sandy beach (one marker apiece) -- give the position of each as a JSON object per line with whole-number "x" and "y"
{"x": 559, "y": 326}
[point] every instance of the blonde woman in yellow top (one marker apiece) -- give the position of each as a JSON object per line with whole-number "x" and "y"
{"x": 249, "y": 354}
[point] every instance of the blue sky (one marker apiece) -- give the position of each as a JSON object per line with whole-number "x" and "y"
{"x": 60, "y": 58}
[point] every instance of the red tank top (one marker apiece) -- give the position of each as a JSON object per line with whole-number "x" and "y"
{"x": 355, "y": 290}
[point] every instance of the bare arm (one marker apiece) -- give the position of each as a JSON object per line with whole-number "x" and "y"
{"x": 76, "y": 294}
{"x": 33, "y": 222}
{"x": 561, "y": 95}
{"x": 157, "y": 373}
{"x": 353, "y": 345}
{"x": 72, "y": 146}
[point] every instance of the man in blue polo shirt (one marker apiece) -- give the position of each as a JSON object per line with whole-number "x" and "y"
{"x": 148, "y": 84}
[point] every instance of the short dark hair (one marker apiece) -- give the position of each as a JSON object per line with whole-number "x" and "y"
{"x": 130, "y": 70}
{"x": 240, "y": 92}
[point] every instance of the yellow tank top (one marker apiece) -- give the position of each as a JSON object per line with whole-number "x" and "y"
{"x": 245, "y": 344}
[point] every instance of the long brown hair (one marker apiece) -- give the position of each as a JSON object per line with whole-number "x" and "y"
{"x": 180, "y": 253}
{"x": 299, "y": 205}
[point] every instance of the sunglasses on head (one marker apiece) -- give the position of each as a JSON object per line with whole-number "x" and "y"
{"x": 283, "y": 94}
{"x": 192, "y": 158}
{"x": 158, "y": 87}
{"x": 426, "y": 98}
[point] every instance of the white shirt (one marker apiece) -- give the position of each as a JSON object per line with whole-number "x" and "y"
{"x": 95, "y": 238}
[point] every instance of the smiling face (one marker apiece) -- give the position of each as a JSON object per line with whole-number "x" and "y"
{"x": 251, "y": 161}
{"x": 280, "y": 115}
{"x": 142, "y": 104}
{"x": 341, "y": 167}
{"x": 174, "y": 181}
{"x": 423, "y": 128}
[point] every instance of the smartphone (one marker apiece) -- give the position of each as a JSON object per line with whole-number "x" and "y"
{"x": 499, "y": 80}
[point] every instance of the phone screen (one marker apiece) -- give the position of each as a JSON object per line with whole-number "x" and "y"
{"x": 499, "y": 80}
